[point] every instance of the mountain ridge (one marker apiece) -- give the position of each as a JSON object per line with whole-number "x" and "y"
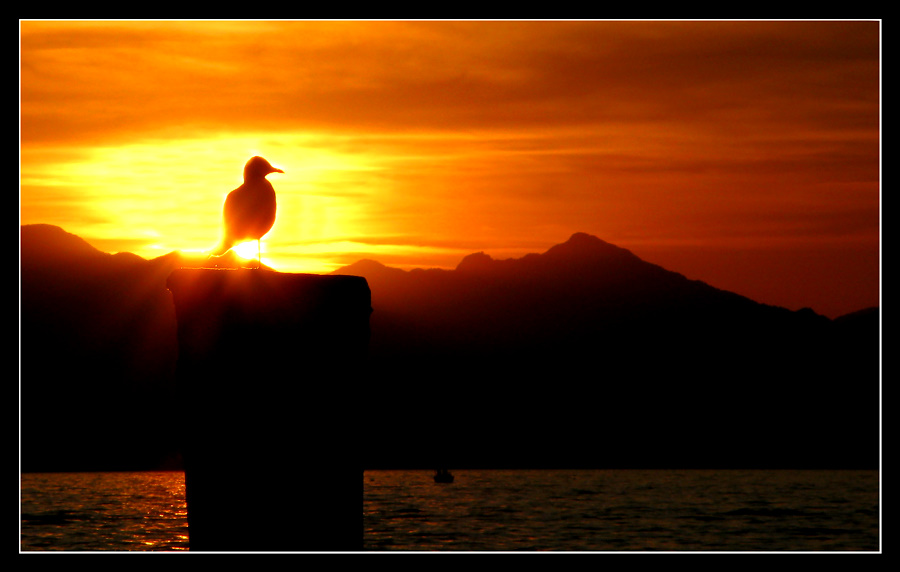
{"x": 580, "y": 248}
{"x": 52, "y": 242}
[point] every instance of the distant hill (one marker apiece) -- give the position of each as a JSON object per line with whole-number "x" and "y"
{"x": 583, "y": 355}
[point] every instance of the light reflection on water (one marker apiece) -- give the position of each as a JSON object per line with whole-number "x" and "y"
{"x": 499, "y": 511}
{"x": 104, "y": 511}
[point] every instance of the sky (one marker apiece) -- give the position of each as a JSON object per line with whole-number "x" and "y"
{"x": 746, "y": 154}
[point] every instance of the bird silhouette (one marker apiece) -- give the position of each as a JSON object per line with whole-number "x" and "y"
{"x": 249, "y": 211}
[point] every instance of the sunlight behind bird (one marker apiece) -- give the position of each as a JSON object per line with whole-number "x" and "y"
{"x": 248, "y": 250}
{"x": 151, "y": 198}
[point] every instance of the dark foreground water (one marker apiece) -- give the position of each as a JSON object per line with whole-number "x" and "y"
{"x": 583, "y": 510}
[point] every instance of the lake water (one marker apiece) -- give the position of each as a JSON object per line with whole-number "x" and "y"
{"x": 564, "y": 510}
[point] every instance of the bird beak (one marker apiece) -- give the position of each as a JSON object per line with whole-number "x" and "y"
{"x": 274, "y": 170}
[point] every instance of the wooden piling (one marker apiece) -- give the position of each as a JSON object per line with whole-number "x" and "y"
{"x": 268, "y": 370}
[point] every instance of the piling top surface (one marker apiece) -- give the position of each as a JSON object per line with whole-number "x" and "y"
{"x": 203, "y": 279}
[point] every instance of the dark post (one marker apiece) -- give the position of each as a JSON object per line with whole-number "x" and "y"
{"x": 270, "y": 366}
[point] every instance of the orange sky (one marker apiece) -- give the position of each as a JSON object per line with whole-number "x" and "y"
{"x": 744, "y": 154}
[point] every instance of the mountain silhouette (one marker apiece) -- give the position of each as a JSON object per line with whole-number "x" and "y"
{"x": 584, "y": 292}
{"x": 584, "y": 355}
{"x": 588, "y": 354}
{"x": 97, "y": 354}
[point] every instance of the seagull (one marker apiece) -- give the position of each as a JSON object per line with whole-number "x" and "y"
{"x": 249, "y": 211}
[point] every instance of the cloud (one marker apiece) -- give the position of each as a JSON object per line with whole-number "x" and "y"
{"x": 105, "y": 79}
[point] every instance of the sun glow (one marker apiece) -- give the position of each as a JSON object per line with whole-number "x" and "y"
{"x": 156, "y": 197}
{"x": 339, "y": 199}
{"x": 248, "y": 249}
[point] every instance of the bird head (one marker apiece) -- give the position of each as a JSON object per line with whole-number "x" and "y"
{"x": 257, "y": 167}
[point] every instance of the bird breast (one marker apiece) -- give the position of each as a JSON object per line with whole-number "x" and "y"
{"x": 250, "y": 210}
